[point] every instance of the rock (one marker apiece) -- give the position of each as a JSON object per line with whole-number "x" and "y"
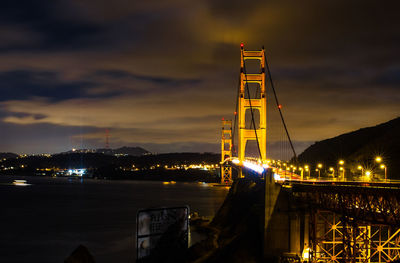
{"x": 236, "y": 232}
{"x": 80, "y": 255}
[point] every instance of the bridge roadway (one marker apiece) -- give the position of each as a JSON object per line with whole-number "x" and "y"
{"x": 373, "y": 202}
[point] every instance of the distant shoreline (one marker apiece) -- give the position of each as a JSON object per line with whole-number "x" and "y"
{"x": 190, "y": 175}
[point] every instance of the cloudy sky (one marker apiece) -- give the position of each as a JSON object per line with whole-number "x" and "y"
{"x": 161, "y": 74}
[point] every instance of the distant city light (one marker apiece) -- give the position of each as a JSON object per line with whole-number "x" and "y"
{"x": 77, "y": 172}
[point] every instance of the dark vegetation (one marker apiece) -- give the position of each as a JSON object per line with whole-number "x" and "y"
{"x": 360, "y": 148}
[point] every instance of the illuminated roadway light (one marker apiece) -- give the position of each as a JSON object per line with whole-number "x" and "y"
{"x": 378, "y": 159}
{"x": 278, "y": 178}
{"x": 236, "y": 161}
{"x": 341, "y": 162}
{"x": 306, "y": 254}
{"x": 253, "y": 167}
{"x": 320, "y": 165}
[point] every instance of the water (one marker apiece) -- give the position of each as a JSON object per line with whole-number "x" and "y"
{"x": 46, "y": 221}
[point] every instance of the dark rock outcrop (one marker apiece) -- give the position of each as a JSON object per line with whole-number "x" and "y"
{"x": 80, "y": 255}
{"x": 236, "y": 233}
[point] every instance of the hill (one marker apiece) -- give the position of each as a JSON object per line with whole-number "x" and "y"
{"x": 132, "y": 151}
{"x": 8, "y": 155}
{"x": 360, "y": 148}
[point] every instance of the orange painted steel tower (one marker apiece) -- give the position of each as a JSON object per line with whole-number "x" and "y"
{"x": 226, "y": 152}
{"x": 259, "y": 103}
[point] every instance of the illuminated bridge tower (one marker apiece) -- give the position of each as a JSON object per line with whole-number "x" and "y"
{"x": 226, "y": 152}
{"x": 258, "y": 131}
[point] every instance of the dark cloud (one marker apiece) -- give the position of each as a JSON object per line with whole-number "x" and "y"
{"x": 24, "y": 84}
{"x": 160, "y": 73}
{"x": 121, "y": 74}
{"x": 43, "y": 138}
{"x": 46, "y": 19}
{"x": 390, "y": 77}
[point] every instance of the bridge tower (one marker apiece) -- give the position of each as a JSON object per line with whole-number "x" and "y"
{"x": 226, "y": 151}
{"x": 259, "y": 132}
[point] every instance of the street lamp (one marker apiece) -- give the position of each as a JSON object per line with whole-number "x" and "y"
{"x": 384, "y": 167}
{"x": 368, "y": 174}
{"x": 332, "y": 170}
{"x": 341, "y": 163}
{"x": 319, "y": 169}
{"x": 378, "y": 159}
{"x": 342, "y": 169}
{"x": 306, "y": 168}
{"x": 361, "y": 169}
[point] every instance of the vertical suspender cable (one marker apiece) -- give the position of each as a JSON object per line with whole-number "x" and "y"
{"x": 279, "y": 109}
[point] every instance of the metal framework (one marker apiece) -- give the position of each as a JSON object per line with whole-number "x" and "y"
{"x": 370, "y": 203}
{"x": 351, "y": 221}
{"x": 253, "y": 104}
{"x": 226, "y": 152}
{"x": 335, "y": 238}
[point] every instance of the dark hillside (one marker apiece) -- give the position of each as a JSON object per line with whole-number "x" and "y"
{"x": 360, "y": 147}
{"x": 8, "y": 155}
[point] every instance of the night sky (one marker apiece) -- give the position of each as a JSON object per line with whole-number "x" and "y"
{"x": 161, "y": 74}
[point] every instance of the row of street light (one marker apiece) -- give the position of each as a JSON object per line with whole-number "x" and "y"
{"x": 340, "y": 169}
{"x": 367, "y": 173}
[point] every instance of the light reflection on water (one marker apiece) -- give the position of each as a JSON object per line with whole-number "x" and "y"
{"x": 47, "y": 220}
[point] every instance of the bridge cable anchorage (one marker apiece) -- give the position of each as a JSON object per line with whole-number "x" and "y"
{"x": 279, "y": 108}
{"x": 251, "y": 108}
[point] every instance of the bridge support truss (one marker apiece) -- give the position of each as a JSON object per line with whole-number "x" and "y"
{"x": 246, "y": 102}
{"x": 226, "y": 152}
{"x": 335, "y": 238}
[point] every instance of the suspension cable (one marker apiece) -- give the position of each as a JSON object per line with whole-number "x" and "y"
{"x": 279, "y": 108}
{"x": 235, "y": 120}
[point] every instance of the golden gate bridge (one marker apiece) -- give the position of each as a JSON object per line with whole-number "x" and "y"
{"x": 330, "y": 218}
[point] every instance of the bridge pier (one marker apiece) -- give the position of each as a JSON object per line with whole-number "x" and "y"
{"x": 286, "y": 226}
